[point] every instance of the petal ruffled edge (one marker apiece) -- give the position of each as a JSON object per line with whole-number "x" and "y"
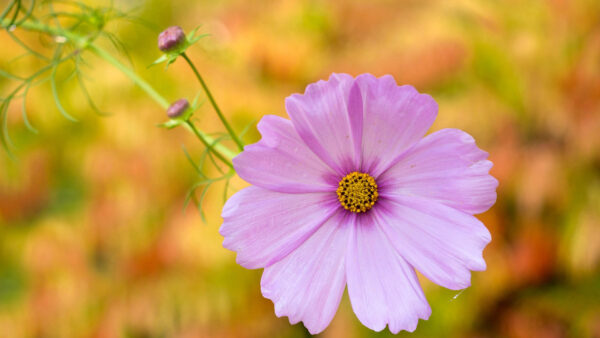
{"x": 329, "y": 118}
{"x": 308, "y": 284}
{"x": 382, "y": 286}
{"x": 395, "y": 118}
{"x": 446, "y": 166}
{"x": 443, "y": 243}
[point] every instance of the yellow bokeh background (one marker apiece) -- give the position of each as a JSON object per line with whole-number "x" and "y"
{"x": 95, "y": 240}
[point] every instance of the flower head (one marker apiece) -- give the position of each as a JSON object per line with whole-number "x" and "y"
{"x": 171, "y": 38}
{"x": 351, "y": 192}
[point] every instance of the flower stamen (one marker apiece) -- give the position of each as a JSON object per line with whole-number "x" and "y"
{"x": 357, "y": 192}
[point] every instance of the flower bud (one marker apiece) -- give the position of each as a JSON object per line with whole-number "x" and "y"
{"x": 177, "y": 108}
{"x": 171, "y": 38}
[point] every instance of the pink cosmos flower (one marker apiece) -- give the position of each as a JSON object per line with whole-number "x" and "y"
{"x": 350, "y": 192}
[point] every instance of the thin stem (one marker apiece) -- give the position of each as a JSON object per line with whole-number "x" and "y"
{"x": 160, "y": 100}
{"x": 207, "y": 144}
{"x": 83, "y": 42}
{"x": 234, "y": 136}
{"x": 7, "y": 10}
{"x": 145, "y": 86}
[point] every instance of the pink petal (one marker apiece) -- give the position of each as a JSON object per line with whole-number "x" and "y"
{"x": 307, "y": 285}
{"x": 445, "y": 166}
{"x": 328, "y": 117}
{"x": 383, "y": 287}
{"x": 395, "y": 118}
{"x": 263, "y": 226}
{"x": 281, "y": 161}
{"x": 441, "y": 242}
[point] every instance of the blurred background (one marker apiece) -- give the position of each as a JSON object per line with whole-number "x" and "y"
{"x": 95, "y": 240}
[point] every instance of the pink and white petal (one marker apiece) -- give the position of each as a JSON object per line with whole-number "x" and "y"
{"x": 307, "y": 285}
{"x": 383, "y": 287}
{"x": 439, "y": 241}
{"x": 329, "y": 118}
{"x": 395, "y": 118}
{"x": 446, "y": 166}
{"x": 264, "y": 226}
{"x": 282, "y": 162}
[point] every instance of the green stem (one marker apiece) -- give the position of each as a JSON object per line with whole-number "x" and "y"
{"x": 131, "y": 74}
{"x": 83, "y": 43}
{"x": 217, "y": 149}
{"x": 7, "y": 10}
{"x": 234, "y": 136}
{"x": 207, "y": 144}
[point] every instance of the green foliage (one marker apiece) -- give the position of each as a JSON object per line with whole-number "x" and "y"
{"x": 72, "y": 30}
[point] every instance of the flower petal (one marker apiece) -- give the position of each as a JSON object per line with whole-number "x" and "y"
{"x": 281, "y": 161}
{"x": 395, "y": 118}
{"x": 445, "y": 166}
{"x": 383, "y": 287}
{"x": 307, "y": 285}
{"x": 441, "y": 242}
{"x": 329, "y": 118}
{"x": 263, "y": 226}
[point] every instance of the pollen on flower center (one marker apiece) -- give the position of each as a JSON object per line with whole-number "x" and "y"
{"x": 357, "y": 192}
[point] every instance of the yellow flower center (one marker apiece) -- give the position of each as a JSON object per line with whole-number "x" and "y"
{"x": 357, "y": 192}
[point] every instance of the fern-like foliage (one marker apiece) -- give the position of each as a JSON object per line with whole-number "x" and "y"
{"x": 66, "y": 33}
{"x": 69, "y": 29}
